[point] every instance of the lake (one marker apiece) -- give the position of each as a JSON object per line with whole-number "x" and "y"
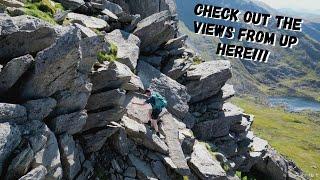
{"x": 295, "y": 104}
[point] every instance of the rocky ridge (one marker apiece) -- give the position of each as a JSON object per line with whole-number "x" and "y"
{"x": 67, "y": 114}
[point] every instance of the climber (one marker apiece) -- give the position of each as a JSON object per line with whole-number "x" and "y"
{"x": 157, "y": 102}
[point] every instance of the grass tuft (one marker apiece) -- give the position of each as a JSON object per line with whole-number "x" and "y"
{"x": 42, "y": 9}
{"x": 110, "y": 57}
{"x": 295, "y": 135}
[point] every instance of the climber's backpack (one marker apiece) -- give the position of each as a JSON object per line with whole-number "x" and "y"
{"x": 160, "y": 101}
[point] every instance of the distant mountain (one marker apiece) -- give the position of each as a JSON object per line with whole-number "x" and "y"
{"x": 289, "y": 71}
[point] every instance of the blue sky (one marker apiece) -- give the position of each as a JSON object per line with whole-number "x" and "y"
{"x": 294, "y": 4}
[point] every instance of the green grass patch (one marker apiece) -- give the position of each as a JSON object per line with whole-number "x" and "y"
{"x": 294, "y": 135}
{"x": 42, "y": 9}
{"x": 111, "y": 56}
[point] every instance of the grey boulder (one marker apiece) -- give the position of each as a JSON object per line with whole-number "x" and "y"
{"x": 218, "y": 127}
{"x": 70, "y": 123}
{"x": 106, "y": 99}
{"x": 114, "y": 75}
{"x": 55, "y": 67}
{"x": 71, "y": 156}
{"x": 38, "y": 173}
{"x": 71, "y": 4}
{"x": 128, "y": 47}
{"x": 206, "y": 79}
{"x": 20, "y": 164}
{"x": 103, "y": 118}
{"x": 93, "y": 142}
{"x": 10, "y": 138}
{"x": 144, "y": 136}
{"x": 40, "y": 108}
{"x": 144, "y": 170}
{"x": 204, "y": 165}
{"x": 12, "y": 113}
{"x": 171, "y": 133}
{"x": 175, "y": 68}
{"x": 32, "y": 35}
{"x": 175, "y": 93}
{"x": 88, "y": 21}
{"x": 13, "y": 70}
{"x": 155, "y": 30}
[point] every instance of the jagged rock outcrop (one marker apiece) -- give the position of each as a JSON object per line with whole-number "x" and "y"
{"x": 68, "y": 106}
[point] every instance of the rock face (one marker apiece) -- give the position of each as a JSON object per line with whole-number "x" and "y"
{"x": 206, "y": 79}
{"x": 10, "y": 139}
{"x": 31, "y": 33}
{"x": 147, "y": 8}
{"x": 204, "y": 165}
{"x": 87, "y": 21}
{"x": 128, "y": 47}
{"x": 65, "y": 113}
{"x": 13, "y": 70}
{"x": 139, "y": 133}
{"x": 174, "y": 92}
{"x": 155, "y": 30}
{"x": 175, "y": 151}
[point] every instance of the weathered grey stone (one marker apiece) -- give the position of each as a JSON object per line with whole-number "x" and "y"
{"x": 49, "y": 156}
{"x": 20, "y": 164}
{"x": 13, "y": 70}
{"x": 88, "y": 21}
{"x": 159, "y": 170}
{"x": 258, "y": 149}
{"x": 154, "y": 31}
{"x": 144, "y": 136}
{"x": 89, "y": 48}
{"x": 94, "y": 142}
{"x": 37, "y": 173}
{"x": 101, "y": 119}
{"x": 110, "y": 14}
{"x": 220, "y": 126}
{"x": 12, "y": 113}
{"x": 9, "y": 140}
{"x": 71, "y": 4}
{"x": 87, "y": 171}
{"x": 174, "y": 92}
{"x": 70, "y": 156}
{"x": 134, "y": 111}
{"x": 106, "y": 100}
{"x": 147, "y": 8}
{"x": 144, "y": 170}
{"x": 40, "y": 108}
{"x": 13, "y": 11}
{"x": 30, "y": 33}
{"x": 175, "y": 68}
{"x": 85, "y": 31}
{"x": 113, "y": 7}
{"x": 12, "y": 3}
{"x": 121, "y": 143}
{"x": 216, "y": 102}
{"x": 171, "y": 133}
{"x": 113, "y": 76}
{"x": 206, "y": 79}
{"x": 74, "y": 99}
{"x": 155, "y": 61}
{"x": 130, "y": 172}
{"x": 70, "y": 123}
{"x": 134, "y": 84}
{"x": 204, "y": 165}
{"x": 176, "y": 43}
{"x": 127, "y": 45}
{"x": 55, "y": 67}
{"x": 244, "y": 125}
